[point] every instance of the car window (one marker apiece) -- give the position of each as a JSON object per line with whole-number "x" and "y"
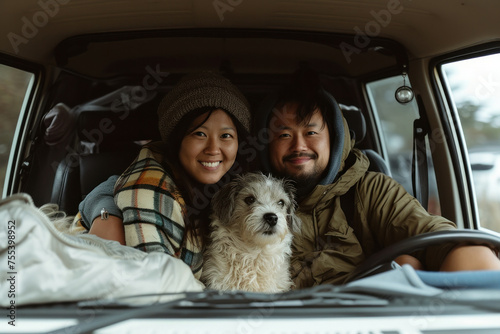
{"x": 14, "y": 84}
{"x": 474, "y": 85}
{"x": 396, "y": 123}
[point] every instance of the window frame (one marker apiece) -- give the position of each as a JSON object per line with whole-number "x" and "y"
{"x": 23, "y": 133}
{"x": 375, "y": 120}
{"x": 373, "y": 123}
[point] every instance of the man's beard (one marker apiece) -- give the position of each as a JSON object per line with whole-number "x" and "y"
{"x": 304, "y": 182}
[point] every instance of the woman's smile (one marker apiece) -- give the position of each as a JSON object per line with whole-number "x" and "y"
{"x": 211, "y": 164}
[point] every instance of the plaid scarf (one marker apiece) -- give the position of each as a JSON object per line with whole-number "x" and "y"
{"x": 154, "y": 210}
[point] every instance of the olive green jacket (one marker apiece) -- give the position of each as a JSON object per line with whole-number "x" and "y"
{"x": 328, "y": 249}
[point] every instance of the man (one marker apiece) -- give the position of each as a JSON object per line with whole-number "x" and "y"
{"x": 309, "y": 142}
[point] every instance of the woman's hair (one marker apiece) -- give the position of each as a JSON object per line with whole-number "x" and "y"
{"x": 196, "y": 195}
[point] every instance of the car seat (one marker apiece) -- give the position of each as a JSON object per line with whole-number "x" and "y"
{"x": 357, "y": 126}
{"x": 107, "y": 142}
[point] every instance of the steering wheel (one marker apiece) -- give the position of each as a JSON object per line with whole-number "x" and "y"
{"x": 383, "y": 258}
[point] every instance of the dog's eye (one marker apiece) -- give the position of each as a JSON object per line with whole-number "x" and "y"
{"x": 249, "y": 200}
{"x": 281, "y": 202}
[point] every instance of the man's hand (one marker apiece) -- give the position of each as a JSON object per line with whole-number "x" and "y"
{"x": 408, "y": 259}
{"x": 470, "y": 257}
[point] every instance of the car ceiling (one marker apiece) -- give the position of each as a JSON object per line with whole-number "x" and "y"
{"x": 425, "y": 27}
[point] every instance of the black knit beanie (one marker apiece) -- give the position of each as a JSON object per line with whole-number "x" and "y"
{"x": 204, "y": 89}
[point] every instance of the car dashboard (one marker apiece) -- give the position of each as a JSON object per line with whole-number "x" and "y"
{"x": 323, "y": 309}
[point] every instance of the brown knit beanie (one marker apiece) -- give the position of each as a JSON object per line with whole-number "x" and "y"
{"x": 204, "y": 89}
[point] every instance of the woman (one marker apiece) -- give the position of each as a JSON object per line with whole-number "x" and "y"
{"x": 162, "y": 199}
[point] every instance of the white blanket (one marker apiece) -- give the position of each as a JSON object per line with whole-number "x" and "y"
{"x": 39, "y": 264}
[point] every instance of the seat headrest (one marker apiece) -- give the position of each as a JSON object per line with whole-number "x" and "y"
{"x": 355, "y": 121}
{"x": 107, "y": 126}
{"x": 114, "y": 119}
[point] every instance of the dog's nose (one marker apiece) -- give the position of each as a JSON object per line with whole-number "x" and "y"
{"x": 271, "y": 219}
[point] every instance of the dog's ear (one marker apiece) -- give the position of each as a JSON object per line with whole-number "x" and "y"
{"x": 289, "y": 187}
{"x": 294, "y": 222}
{"x": 223, "y": 201}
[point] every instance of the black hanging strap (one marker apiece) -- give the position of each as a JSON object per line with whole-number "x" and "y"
{"x": 419, "y": 168}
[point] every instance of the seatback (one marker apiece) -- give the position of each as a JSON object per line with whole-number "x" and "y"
{"x": 107, "y": 141}
{"x": 357, "y": 126}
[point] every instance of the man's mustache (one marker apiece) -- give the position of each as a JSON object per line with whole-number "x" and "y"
{"x": 300, "y": 155}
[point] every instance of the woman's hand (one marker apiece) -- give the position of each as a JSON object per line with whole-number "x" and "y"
{"x": 110, "y": 229}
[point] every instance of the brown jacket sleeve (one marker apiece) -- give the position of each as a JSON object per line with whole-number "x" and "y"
{"x": 392, "y": 215}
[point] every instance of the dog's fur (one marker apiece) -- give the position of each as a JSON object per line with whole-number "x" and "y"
{"x": 62, "y": 222}
{"x": 246, "y": 250}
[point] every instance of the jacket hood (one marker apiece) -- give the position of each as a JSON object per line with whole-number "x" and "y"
{"x": 340, "y": 138}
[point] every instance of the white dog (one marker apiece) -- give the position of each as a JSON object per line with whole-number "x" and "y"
{"x": 251, "y": 234}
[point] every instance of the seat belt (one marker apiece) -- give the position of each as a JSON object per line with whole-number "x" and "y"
{"x": 347, "y": 205}
{"x": 419, "y": 168}
{"x": 347, "y": 201}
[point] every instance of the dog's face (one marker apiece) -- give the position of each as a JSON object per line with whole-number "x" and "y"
{"x": 259, "y": 208}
